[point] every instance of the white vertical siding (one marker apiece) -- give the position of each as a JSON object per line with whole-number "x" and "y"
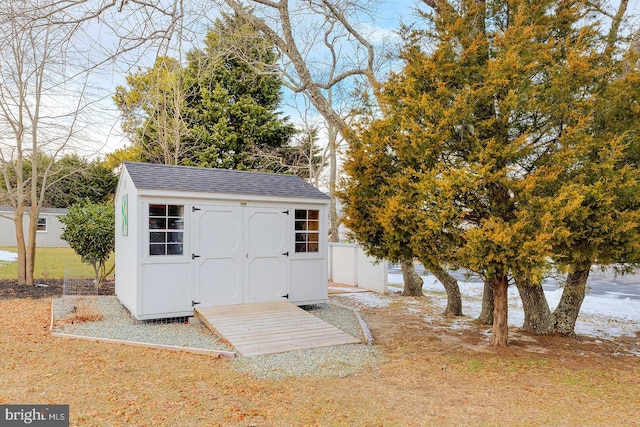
{"x": 48, "y": 239}
{"x": 127, "y": 247}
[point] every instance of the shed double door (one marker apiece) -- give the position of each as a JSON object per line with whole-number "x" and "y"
{"x": 241, "y": 254}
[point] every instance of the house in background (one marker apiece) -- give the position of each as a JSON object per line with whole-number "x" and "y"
{"x": 187, "y": 236}
{"x": 49, "y": 228}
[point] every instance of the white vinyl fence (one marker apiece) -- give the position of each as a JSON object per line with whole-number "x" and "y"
{"x": 348, "y": 264}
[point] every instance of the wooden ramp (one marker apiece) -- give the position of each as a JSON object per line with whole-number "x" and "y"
{"x": 271, "y": 327}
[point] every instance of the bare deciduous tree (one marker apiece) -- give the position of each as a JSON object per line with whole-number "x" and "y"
{"x": 152, "y": 107}
{"x": 43, "y": 106}
{"x": 325, "y": 56}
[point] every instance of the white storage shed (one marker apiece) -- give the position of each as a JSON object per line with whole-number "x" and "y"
{"x": 188, "y": 236}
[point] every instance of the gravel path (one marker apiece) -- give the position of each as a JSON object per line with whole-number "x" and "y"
{"x": 117, "y": 323}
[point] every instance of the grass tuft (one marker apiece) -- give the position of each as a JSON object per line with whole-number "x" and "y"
{"x": 83, "y": 310}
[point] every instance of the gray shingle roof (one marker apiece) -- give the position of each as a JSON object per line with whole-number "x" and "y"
{"x": 186, "y": 178}
{"x": 55, "y": 211}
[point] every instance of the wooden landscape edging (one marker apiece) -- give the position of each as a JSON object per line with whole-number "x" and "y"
{"x": 366, "y": 333}
{"x": 363, "y": 326}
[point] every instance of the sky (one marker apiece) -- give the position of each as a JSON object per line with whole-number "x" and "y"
{"x": 603, "y": 316}
{"x": 101, "y": 40}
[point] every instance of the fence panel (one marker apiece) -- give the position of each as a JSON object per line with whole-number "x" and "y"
{"x": 348, "y": 264}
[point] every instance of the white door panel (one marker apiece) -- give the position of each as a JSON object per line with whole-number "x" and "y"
{"x": 219, "y": 265}
{"x": 220, "y": 232}
{"x": 220, "y": 282}
{"x": 241, "y": 254}
{"x": 267, "y": 254}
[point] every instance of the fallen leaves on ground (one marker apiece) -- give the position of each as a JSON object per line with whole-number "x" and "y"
{"x": 432, "y": 376}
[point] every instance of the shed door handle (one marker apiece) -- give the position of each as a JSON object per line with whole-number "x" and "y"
{"x": 194, "y": 256}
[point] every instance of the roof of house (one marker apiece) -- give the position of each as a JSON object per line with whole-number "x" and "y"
{"x": 27, "y": 209}
{"x": 186, "y": 178}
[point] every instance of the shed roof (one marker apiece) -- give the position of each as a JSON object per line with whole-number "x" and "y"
{"x": 193, "y": 179}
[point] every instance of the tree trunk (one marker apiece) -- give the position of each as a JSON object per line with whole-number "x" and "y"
{"x": 20, "y": 243}
{"x": 454, "y": 299}
{"x": 568, "y": 309}
{"x": 614, "y": 27}
{"x": 486, "y": 313}
{"x": 334, "y": 232}
{"x": 96, "y": 268}
{"x": 500, "y": 329}
{"x": 538, "y": 319}
{"x": 412, "y": 281}
{"x": 31, "y": 246}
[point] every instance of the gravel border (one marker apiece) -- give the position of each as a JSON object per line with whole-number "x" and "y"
{"x": 118, "y": 325}
{"x": 337, "y": 361}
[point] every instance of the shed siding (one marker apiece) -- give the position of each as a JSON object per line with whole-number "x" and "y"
{"x": 167, "y": 290}
{"x": 127, "y": 246}
{"x": 48, "y": 239}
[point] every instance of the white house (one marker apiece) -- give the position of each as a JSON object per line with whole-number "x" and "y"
{"x": 187, "y": 236}
{"x": 48, "y": 230}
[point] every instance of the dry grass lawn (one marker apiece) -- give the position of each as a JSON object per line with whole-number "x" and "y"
{"x": 432, "y": 376}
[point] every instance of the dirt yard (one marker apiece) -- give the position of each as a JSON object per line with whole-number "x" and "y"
{"x": 434, "y": 374}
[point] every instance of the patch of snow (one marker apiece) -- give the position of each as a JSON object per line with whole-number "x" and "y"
{"x": 459, "y": 325}
{"x": 634, "y": 351}
{"x": 368, "y": 299}
{"x": 6, "y": 256}
{"x": 394, "y": 279}
{"x": 600, "y": 315}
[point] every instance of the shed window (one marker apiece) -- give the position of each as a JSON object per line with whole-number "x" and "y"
{"x": 42, "y": 224}
{"x": 166, "y": 229}
{"x": 307, "y": 229}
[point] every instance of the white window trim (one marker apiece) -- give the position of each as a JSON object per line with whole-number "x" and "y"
{"x": 307, "y": 231}
{"x": 147, "y": 239}
{"x": 46, "y": 224}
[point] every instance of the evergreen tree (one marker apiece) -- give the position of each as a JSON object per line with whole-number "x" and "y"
{"x": 502, "y": 159}
{"x": 218, "y": 110}
{"x": 77, "y": 180}
{"x": 232, "y": 98}
{"x": 152, "y": 107}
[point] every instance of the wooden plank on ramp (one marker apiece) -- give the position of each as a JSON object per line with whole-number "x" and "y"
{"x": 271, "y": 327}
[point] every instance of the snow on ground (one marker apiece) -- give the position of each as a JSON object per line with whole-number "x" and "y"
{"x": 367, "y": 299}
{"x": 6, "y": 256}
{"x": 600, "y": 315}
